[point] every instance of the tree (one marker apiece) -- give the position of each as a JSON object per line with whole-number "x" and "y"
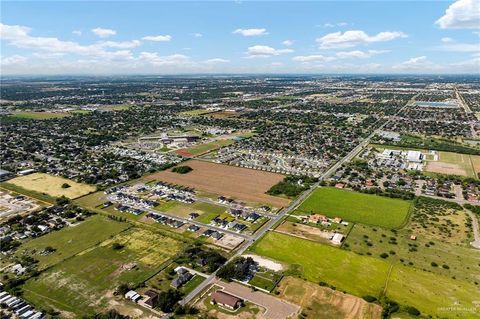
{"x": 182, "y": 169}
{"x": 168, "y": 299}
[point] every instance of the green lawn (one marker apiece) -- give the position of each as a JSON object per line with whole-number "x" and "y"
{"x": 206, "y": 218}
{"x": 356, "y": 207}
{"x": 265, "y": 279}
{"x": 192, "y": 284}
{"x": 362, "y": 275}
{"x": 72, "y": 240}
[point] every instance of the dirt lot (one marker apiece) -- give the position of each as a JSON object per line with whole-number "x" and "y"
{"x": 240, "y": 183}
{"x": 228, "y": 241}
{"x": 445, "y": 168}
{"x": 305, "y": 231}
{"x": 324, "y": 303}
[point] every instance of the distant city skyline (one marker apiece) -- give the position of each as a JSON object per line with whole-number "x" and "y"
{"x": 157, "y": 37}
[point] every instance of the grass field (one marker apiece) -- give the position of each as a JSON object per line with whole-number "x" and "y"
{"x": 52, "y": 185}
{"x": 72, "y": 240}
{"x": 22, "y": 191}
{"x": 362, "y": 275}
{"x": 204, "y": 148}
{"x": 39, "y": 115}
{"x": 242, "y": 184}
{"x": 356, "y": 207}
{"x": 347, "y": 271}
{"x": 183, "y": 209}
{"x": 453, "y": 164}
{"x": 367, "y": 240}
{"x": 85, "y": 283}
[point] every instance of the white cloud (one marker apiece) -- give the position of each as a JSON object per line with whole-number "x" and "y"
{"x": 287, "y": 43}
{"x": 216, "y": 61}
{"x": 77, "y": 32}
{"x": 157, "y": 60}
{"x": 11, "y": 32}
{"x": 448, "y": 44}
{"x": 119, "y": 45}
{"x": 338, "y": 40}
{"x": 417, "y": 64}
{"x": 264, "y": 51}
{"x": 461, "y": 47}
{"x": 198, "y": 35}
{"x": 158, "y": 38}
{"x": 359, "y": 54}
{"x": 251, "y": 32}
{"x": 462, "y": 14}
{"x": 103, "y": 33}
{"x": 18, "y": 36}
{"x": 312, "y": 58}
{"x": 12, "y": 60}
{"x": 339, "y": 24}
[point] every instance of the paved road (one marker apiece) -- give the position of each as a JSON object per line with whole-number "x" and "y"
{"x": 292, "y": 206}
{"x": 462, "y": 102}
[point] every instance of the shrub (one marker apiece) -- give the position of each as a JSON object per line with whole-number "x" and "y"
{"x": 384, "y": 255}
{"x": 117, "y": 246}
{"x": 369, "y": 298}
{"x": 182, "y": 169}
{"x": 413, "y": 311}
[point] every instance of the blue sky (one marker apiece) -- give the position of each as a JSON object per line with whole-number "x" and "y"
{"x": 160, "y": 37}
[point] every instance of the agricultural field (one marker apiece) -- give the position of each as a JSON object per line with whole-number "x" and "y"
{"x": 356, "y": 207}
{"x": 203, "y": 148}
{"x": 365, "y": 275}
{"x": 476, "y": 165}
{"x": 242, "y": 184}
{"x": 325, "y": 303}
{"x": 85, "y": 283}
{"x": 39, "y": 115}
{"x": 453, "y": 164}
{"x": 53, "y": 186}
{"x": 71, "y": 240}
